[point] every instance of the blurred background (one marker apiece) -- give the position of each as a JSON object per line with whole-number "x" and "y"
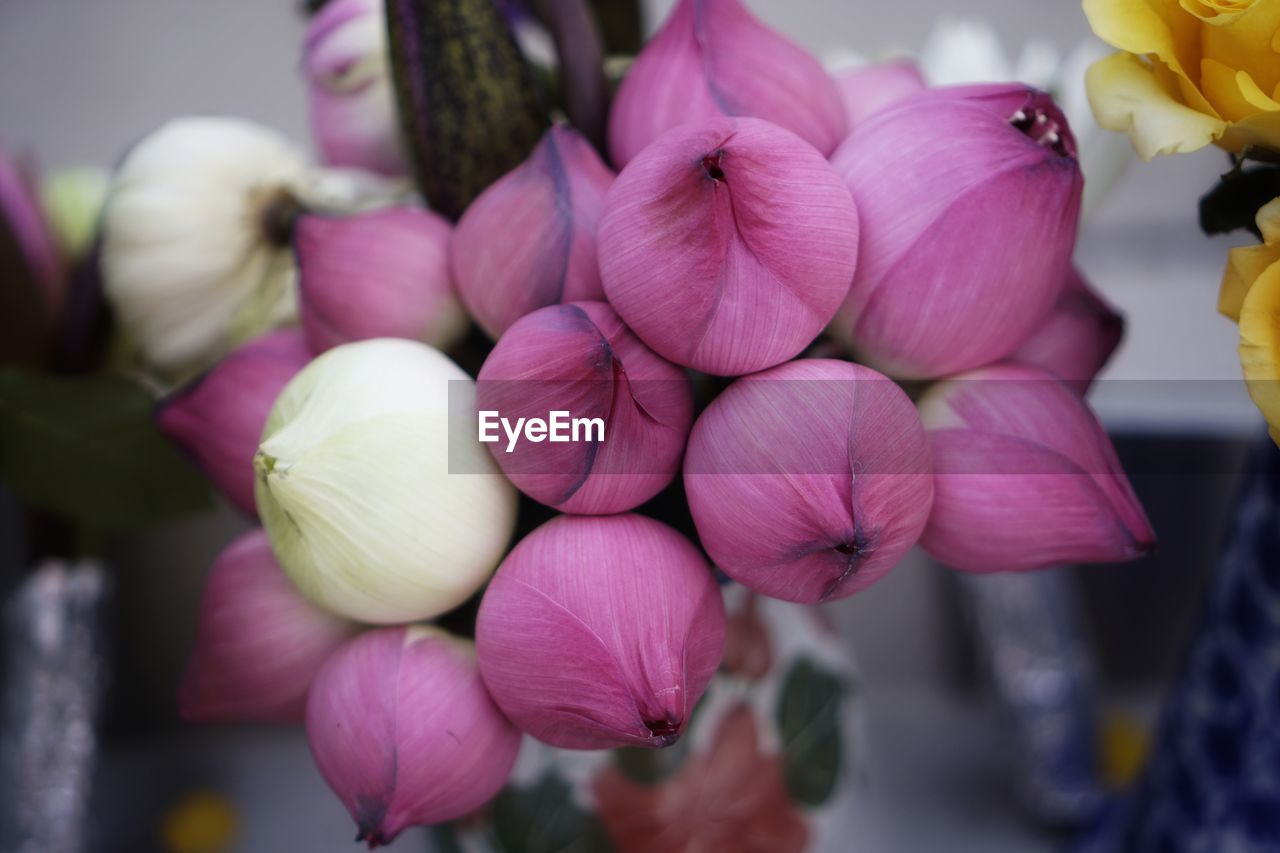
{"x": 79, "y": 82}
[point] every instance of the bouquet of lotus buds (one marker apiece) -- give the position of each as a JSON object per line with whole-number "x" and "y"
{"x": 540, "y": 358}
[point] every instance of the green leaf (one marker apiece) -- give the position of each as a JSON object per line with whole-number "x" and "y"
{"x": 544, "y": 819}
{"x": 88, "y": 449}
{"x": 809, "y": 726}
{"x": 469, "y": 108}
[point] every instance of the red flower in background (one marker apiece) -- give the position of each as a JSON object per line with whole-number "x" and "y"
{"x": 729, "y": 798}
{"x": 746, "y": 642}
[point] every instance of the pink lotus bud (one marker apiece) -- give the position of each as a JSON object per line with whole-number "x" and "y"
{"x": 23, "y": 217}
{"x": 728, "y": 245}
{"x": 383, "y": 274}
{"x": 403, "y": 731}
{"x": 871, "y": 88}
{"x": 350, "y": 98}
{"x": 1077, "y": 339}
{"x": 581, "y": 361}
{"x": 259, "y": 643}
{"x": 601, "y": 632}
{"x": 529, "y": 240}
{"x": 219, "y": 417}
{"x": 963, "y": 255}
{"x": 712, "y": 59}
{"x": 810, "y": 481}
{"x": 1025, "y": 476}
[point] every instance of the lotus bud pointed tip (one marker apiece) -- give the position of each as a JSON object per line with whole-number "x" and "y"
{"x": 1009, "y": 191}
{"x": 1025, "y": 476}
{"x": 366, "y": 518}
{"x": 529, "y": 240}
{"x": 810, "y": 481}
{"x": 380, "y": 274}
{"x": 620, "y": 602}
{"x": 1078, "y": 337}
{"x": 713, "y": 58}
{"x": 728, "y": 245}
{"x": 432, "y": 747}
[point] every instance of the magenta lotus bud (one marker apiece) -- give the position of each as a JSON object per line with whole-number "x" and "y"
{"x": 383, "y": 274}
{"x": 600, "y": 632}
{"x": 219, "y": 417}
{"x": 1025, "y": 476}
{"x": 403, "y": 731}
{"x": 1078, "y": 338}
{"x": 259, "y": 643}
{"x": 22, "y": 215}
{"x": 728, "y": 245}
{"x": 810, "y": 481}
{"x": 871, "y": 88}
{"x": 529, "y": 240}
{"x": 713, "y": 58}
{"x": 631, "y": 410}
{"x": 349, "y": 90}
{"x": 1007, "y": 193}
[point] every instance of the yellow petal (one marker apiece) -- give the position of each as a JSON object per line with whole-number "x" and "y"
{"x": 1217, "y": 12}
{"x": 1245, "y": 42}
{"x": 1262, "y": 129}
{"x": 1244, "y": 266}
{"x": 1221, "y": 86}
{"x": 1127, "y": 95}
{"x": 1268, "y": 220}
{"x": 1260, "y": 343}
{"x": 1159, "y": 27}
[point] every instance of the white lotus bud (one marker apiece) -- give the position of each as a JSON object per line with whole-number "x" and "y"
{"x": 196, "y": 254}
{"x": 355, "y": 490}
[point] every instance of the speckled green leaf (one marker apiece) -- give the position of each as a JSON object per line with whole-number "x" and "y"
{"x": 87, "y": 449}
{"x": 468, "y": 105}
{"x": 544, "y": 819}
{"x": 809, "y": 725}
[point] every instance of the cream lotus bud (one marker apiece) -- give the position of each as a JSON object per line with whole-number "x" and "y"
{"x": 354, "y": 483}
{"x": 529, "y": 240}
{"x": 728, "y": 245}
{"x": 218, "y": 417}
{"x": 196, "y": 255}
{"x": 382, "y": 274}
{"x": 601, "y": 631}
{"x": 259, "y": 643}
{"x": 713, "y": 58}
{"x": 810, "y": 481}
{"x": 350, "y": 98}
{"x": 1078, "y": 338}
{"x": 403, "y": 731}
{"x": 1025, "y": 476}
{"x": 580, "y": 360}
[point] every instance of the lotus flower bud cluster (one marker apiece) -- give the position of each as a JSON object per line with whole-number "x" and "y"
{"x": 219, "y": 417}
{"x": 529, "y": 240}
{"x": 404, "y": 732}
{"x": 382, "y": 274}
{"x": 601, "y": 632}
{"x": 259, "y": 643}
{"x": 739, "y": 303}
{"x": 1025, "y": 477}
{"x": 580, "y": 358}
{"x": 810, "y": 481}
{"x": 349, "y": 97}
{"x": 354, "y": 485}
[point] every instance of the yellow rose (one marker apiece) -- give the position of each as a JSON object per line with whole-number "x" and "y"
{"x": 1251, "y": 296}
{"x": 1191, "y": 72}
